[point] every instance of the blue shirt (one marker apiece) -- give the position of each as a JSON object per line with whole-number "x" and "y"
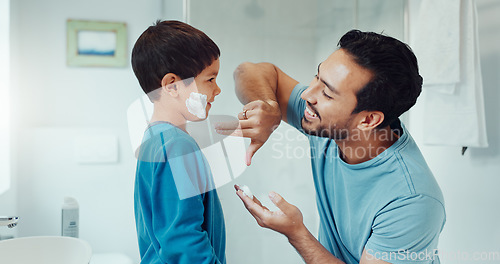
{"x": 390, "y": 205}
{"x": 178, "y": 213}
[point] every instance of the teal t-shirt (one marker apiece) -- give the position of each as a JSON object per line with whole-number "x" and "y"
{"x": 390, "y": 205}
{"x": 177, "y": 210}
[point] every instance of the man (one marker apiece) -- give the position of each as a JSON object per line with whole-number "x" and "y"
{"x": 377, "y": 199}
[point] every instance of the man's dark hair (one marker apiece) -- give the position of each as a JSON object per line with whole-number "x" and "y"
{"x": 395, "y": 84}
{"x": 171, "y": 47}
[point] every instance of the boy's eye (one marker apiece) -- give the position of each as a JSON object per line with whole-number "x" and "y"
{"x": 326, "y": 95}
{"x": 211, "y": 79}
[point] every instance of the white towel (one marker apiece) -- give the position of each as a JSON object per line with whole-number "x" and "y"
{"x": 435, "y": 40}
{"x": 458, "y": 119}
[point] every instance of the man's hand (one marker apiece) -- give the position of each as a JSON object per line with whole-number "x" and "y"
{"x": 257, "y": 121}
{"x": 287, "y": 220}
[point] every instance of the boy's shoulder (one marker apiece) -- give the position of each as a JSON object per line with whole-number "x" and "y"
{"x": 167, "y": 141}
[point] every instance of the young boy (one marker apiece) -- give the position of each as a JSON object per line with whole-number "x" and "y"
{"x": 178, "y": 213}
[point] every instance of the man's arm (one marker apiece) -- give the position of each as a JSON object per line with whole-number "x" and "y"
{"x": 288, "y": 221}
{"x": 265, "y": 82}
{"x": 264, "y": 90}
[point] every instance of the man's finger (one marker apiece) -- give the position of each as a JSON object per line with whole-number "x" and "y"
{"x": 255, "y": 209}
{"x": 252, "y": 105}
{"x": 279, "y": 201}
{"x": 254, "y": 146}
{"x": 230, "y": 132}
{"x": 228, "y": 125}
{"x": 237, "y": 188}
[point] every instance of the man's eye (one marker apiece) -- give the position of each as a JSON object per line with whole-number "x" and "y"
{"x": 327, "y": 96}
{"x": 316, "y": 76}
{"x": 211, "y": 79}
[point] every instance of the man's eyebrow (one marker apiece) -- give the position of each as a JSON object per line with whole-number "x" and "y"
{"x": 327, "y": 85}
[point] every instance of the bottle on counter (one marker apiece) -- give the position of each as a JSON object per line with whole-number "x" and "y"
{"x": 70, "y": 217}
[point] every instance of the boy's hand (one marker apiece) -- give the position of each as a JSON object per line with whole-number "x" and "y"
{"x": 257, "y": 121}
{"x": 287, "y": 220}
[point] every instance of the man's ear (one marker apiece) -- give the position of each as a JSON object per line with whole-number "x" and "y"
{"x": 371, "y": 119}
{"x": 168, "y": 84}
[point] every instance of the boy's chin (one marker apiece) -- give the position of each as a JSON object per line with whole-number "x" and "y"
{"x": 194, "y": 118}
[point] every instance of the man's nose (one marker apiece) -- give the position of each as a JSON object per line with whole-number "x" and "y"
{"x": 310, "y": 94}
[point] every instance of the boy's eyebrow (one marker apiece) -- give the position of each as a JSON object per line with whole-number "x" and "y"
{"x": 328, "y": 85}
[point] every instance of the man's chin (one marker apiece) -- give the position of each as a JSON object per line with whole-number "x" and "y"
{"x": 306, "y": 129}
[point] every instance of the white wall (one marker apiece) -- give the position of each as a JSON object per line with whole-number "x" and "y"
{"x": 283, "y": 33}
{"x": 7, "y": 184}
{"x": 54, "y": 104}
{"x": 470, "y": 182}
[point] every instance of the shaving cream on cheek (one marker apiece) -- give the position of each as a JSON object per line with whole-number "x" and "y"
{"x": 196, "y": 104}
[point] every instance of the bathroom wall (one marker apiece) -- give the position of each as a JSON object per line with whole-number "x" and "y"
{"x": 7, "y": 191}
{"x": 282, "y": 32}
{"x": 56, "y": 107}
{"x": 336, "y": 17}
{"x": 470, "y": 182}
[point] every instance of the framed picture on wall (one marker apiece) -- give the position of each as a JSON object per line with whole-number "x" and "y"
{"x": 96, "y": 44}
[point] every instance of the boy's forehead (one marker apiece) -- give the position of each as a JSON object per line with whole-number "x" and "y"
{"x": 212, "y": 69}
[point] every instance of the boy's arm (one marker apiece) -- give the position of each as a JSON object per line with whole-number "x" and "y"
{"x": 178, "y": 207}
{"x": 264, "y": 90}
{"x": 178, "y": 229}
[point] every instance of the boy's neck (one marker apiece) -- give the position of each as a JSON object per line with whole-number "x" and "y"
{"x": 160, "y": 114}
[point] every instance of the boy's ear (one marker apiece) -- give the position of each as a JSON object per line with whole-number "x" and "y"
{"x": 168, "y": 84}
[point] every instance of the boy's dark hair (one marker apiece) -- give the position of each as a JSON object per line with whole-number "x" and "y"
{"x": 396, "y": 83}
{"x": 171, "y": 47}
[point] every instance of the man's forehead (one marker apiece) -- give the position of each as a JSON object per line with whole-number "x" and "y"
{"x": 340, "y": 67}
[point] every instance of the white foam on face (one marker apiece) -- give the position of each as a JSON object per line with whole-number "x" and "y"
{"x": 246, "y": 191}
{"x": 196, "y": 104}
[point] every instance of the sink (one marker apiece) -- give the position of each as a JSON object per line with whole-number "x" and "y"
{"x": 45, "y": 250}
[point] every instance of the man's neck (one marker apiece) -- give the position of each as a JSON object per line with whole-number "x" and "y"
{"x": 364, "y": 146}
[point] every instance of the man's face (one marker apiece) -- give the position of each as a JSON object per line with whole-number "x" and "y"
{"x": 331, "y": 97}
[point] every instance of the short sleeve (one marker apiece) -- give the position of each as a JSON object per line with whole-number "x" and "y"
{"x": 407, "y": 230}
{"x": 296, "y": 107}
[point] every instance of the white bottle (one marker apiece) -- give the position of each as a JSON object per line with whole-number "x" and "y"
{"x": 70, "y": 217}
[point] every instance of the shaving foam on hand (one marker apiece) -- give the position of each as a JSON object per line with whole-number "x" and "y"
{"x": 246, "y": 191}
{"x": 196, "y": 104}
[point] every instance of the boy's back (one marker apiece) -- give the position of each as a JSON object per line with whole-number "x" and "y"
{"x": 178, "y": 213}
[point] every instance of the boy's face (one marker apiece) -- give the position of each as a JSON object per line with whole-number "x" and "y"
{"x": 205, "y": 85}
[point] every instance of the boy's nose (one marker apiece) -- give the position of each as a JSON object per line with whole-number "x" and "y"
{"x": 217, "y": 90}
